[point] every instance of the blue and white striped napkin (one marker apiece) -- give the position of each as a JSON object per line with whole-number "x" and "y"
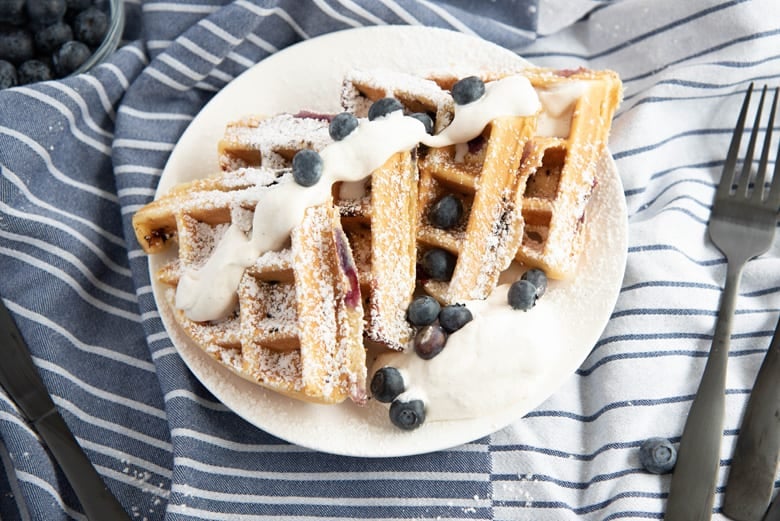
{"x": 78, "y": 156}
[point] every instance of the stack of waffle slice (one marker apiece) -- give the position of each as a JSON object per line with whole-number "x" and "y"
{"x": 351, "y": 267}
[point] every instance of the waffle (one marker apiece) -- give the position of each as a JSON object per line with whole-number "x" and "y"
{"x": 361, "y": 88}
{"x": 540, "y": 207}
{"x": 256, "y": 140}
{"x": 297, "y": 328}
{"x": 381, "y": 230}
{"x": 485, "y": 178}
{"x": 559, "y": 163}
{"x": 563, "y": 171}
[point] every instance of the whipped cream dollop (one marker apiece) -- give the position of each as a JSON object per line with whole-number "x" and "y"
{"x": 209, "y": 291}
{"x": 485, "y": 365}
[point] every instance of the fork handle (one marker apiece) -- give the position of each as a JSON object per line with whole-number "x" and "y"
{"x": 692, "y": 490}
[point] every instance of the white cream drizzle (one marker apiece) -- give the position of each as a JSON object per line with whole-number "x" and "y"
{"x": 510, "y": 96}
{"x": 209, "y": 292}
{"x": 558, "y": 103}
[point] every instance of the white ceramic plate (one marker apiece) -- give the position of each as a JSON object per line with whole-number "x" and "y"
{"x": 308, "y": 76}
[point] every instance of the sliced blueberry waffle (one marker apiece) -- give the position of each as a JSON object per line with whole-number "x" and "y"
{"x": 563, "y": 166}
{"x": 377, "y": 213}
{"x": 560, "y": 162}
{"x": 296, "y": 325}
{"x": 361, "y": 88}
{"x": 271, "y": 141}
{"x": 381, "y": 228}
{"x": 306, "y": 313}
{"x": 363, "y": 218}
{"x": 469, "y": 222}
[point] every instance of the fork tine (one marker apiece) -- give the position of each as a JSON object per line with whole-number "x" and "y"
{"x": 758, "y": 190}
{"x": 727, "y": 178}
{"x": 744, "y": 179}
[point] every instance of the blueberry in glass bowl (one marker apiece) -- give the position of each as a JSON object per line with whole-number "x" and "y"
{"x": 50, "y": 39}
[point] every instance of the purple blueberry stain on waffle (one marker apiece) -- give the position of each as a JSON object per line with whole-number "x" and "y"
{"x": 347, "y": 266}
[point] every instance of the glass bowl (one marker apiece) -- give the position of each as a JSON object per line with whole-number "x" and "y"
{"x": 111, "y": 40}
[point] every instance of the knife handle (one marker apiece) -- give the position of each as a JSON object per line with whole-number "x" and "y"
{"x": 95, "y": 498}
{"x": 754, "y": 464}
{"x": 773, "y": 514}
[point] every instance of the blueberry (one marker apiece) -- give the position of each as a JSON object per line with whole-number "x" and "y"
{"x": 383, "y": 107}
{"x": 342, "y": 125}
{"x": 439, "y": 264}
{"x": 407, "y": 415}
{"x": 522, "y": 295}
{"x": 69, "y": 57}
{"x": 8, "y": 77}
{"x": 46, "y": 12}
{"x": 454, "y": 317}
{"x": 386, "y": 384}
{"x": 78, "y": 5}
{"x": 425, "y": 119}
{"x": 51, "y": 37}
{"x": 16, "y": 45}
{"x": 12, "y": 12}
{"x": 467, "y": 90}
{"x": 538, "y": 278}
{"x": 446, "y": 212}
{"x": 90, "y": 26}
{"x": 307, "y": 167}
{"x": 657, "y": 455}
{"x": 429, "y": 341}
{"x": 32, "y": 71}
{"x": 423, "y": 311}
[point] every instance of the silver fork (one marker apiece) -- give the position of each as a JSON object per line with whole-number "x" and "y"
{"x": 742, "y": 225}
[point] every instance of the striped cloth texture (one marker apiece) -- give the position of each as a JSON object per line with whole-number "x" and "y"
{"x": 79, "y": 155}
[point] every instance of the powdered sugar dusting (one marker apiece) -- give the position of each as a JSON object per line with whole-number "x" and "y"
{"x": 275, "y": 138}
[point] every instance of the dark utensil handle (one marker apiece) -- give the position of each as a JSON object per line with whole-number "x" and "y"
{"x": 754, "y": 464}
{"x": 95, "y": 498}
{"x": 692, "y": 490}
{"x": 773, "y": 514}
